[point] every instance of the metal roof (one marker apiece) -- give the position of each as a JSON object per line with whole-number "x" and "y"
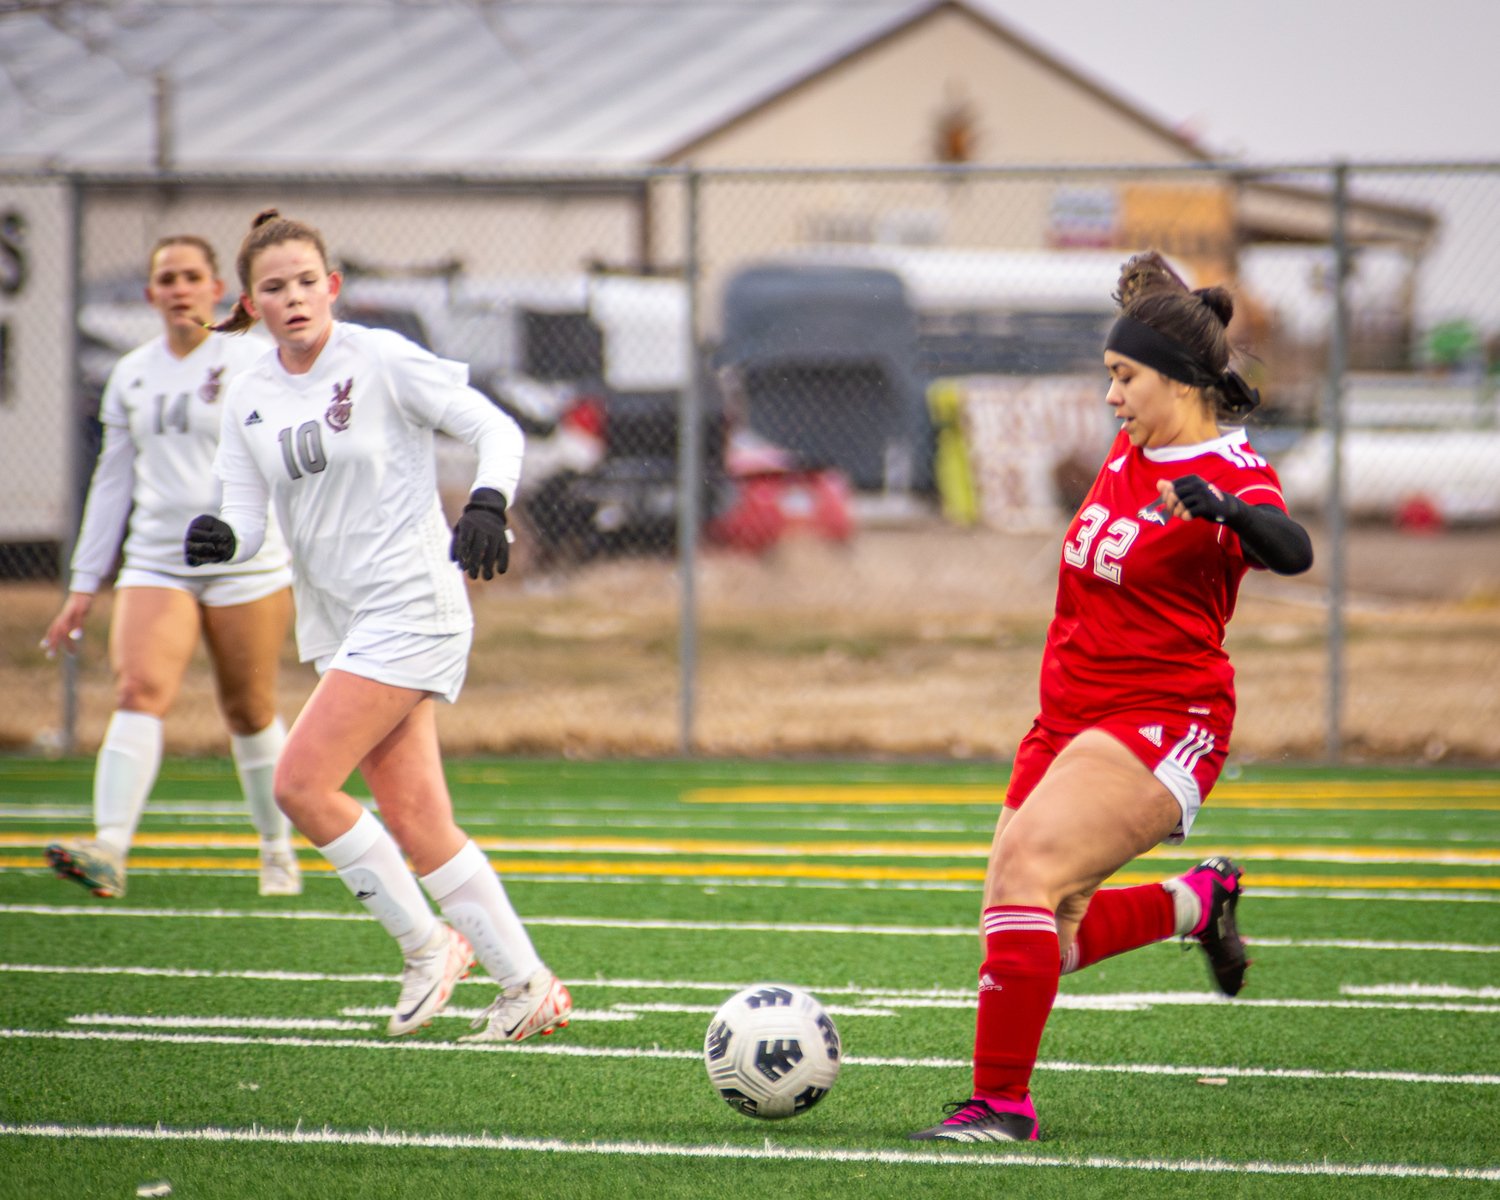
{"x": 405, "y": 84}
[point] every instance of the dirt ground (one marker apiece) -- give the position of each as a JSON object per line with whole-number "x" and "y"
{"x": 920, "y": 640}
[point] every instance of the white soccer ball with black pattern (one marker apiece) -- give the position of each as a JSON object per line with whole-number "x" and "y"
{"x": 771, "y": 1051}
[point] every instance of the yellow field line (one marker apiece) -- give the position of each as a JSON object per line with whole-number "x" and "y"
{"x": 839, "y": 871}
{"x": 1377, "y": 796}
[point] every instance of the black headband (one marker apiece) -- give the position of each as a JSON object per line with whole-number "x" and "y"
{"x": 1137, "y": 340}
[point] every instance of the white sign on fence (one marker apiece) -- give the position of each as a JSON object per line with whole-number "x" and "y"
{"x": 38, "y": 405}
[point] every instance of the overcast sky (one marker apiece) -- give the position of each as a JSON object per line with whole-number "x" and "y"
{"x": 1314, "y": 81}
{"x": 1288, "y": 80}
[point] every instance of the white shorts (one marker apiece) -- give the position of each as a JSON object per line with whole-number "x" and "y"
{"x": 211, "y": 591}
{"x": 426, "y": 662}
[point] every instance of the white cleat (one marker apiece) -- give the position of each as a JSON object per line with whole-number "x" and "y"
{"x": 279, "y": 873}
{"x": 428, "y": 979}
{"x": 539, "y": 1005}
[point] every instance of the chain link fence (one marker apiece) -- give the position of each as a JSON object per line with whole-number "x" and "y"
{"x": 885, "y": 394}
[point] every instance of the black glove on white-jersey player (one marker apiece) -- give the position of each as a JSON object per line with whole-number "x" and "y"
{"x": 209, "y": 540}
{"x": 481, "y": 541}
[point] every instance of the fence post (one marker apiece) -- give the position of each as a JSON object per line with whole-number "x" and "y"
{"x": 689, "y": 468}
{"x": 72, "y": 455}
{"x": 1333, "y": 420}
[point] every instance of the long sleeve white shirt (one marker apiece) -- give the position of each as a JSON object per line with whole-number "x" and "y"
{"x": 344, "y": 453}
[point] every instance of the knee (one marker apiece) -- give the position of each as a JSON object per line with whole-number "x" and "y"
{"x": 297, "y": 788}
{"x": 1022, "y": 871}
{"x": 245, "y": 715}
{"x": 1012, "y": 862}
{"x": 139, "y": 693}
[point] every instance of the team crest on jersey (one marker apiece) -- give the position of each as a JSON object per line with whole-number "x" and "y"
{"x": 1155, "y": 512}
{"x": 213, "y": 383}
{"x": 342, "y": 408}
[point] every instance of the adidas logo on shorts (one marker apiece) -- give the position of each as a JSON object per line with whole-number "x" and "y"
{"x": 1152, "y": 733}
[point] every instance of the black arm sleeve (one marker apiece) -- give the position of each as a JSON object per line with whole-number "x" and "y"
{"x": 1271, "y": 538}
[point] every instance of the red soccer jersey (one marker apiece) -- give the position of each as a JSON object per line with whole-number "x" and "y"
{"x": 1142, "y": 600}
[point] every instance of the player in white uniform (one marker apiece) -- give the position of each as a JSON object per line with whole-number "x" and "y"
{"x": 335, "y": 427}
{"x": 160, "y": 413}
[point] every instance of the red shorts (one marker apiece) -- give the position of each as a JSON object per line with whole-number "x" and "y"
{"x": 1185, "y": 753}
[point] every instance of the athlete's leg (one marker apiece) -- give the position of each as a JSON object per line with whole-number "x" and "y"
{"x": 244, "y": 644}
{"x": 344, "y": 719}
{"x": 152, "y": 634}
{"x": 405, "y": 774}
{"x": 350, "y": 722}
{"x": 1096, "y": 808}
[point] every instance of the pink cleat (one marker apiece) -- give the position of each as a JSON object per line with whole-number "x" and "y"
{"x": 979, "y": 1120}
{"x": 1216, "y": 883}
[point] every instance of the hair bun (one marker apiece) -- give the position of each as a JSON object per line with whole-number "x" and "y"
{"x": 1146, "y": 273}
{"x": 1218, "y": 301}
{"x": 261, "y": 218}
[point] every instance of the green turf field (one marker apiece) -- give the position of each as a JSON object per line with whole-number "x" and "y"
{"x": 233, "y": 1046}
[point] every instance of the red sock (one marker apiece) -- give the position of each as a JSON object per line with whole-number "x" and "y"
{"x": 1017, "y": 986}
{"x": 1120, "y": 919}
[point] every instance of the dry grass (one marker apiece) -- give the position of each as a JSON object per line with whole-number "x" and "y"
{"x": 908, "y": 642}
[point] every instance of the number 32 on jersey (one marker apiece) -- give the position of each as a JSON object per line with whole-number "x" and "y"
{"x": 1119, "y": 534}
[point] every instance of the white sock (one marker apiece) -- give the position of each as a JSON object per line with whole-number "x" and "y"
{"x": 124, "y": 774}
{"x": 474, "y": 901}
{"x": 255, "y": 763}
{"x": 1187, "y": 908}
{"x": 370, "y": 863}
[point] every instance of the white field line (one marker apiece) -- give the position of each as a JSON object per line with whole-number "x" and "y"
{"x": 1442, "y": 991}
{"x": 968, "y": 931}
{"x": 1121, "y": 1002}
{"x": 881, "y": 1001}
{"x": 873, "y": 1002}
{"x": 620, "y": 1012}
{"x": 714, "y": 883}
{"x": 767, "y": 1151}
{"x": 708, "y": 1010}
{"x": 1363, "y": 894}
{"x": 568, "y": 1050}
{"x": 303, "y": 1024}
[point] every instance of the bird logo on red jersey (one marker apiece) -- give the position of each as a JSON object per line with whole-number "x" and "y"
{"x": 342, "y": 408}
{"x": 1155, "y": 512}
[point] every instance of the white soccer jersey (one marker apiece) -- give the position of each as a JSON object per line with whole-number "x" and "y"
{"x": 161, "y": 427}
{"x": 345, "y": 454}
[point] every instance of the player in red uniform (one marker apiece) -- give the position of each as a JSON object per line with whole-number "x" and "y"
{"x": 1137, "y": 693}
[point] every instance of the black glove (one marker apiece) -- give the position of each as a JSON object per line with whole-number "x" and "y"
{"x": 1202, "y": 499}
{"x": 209, "y": 540}
{"x": 481, "y": 542}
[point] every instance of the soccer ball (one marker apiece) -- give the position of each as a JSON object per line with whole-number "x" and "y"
{"x": 771, "y": 1051}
